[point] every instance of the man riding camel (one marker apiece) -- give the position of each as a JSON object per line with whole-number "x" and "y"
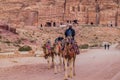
{"x": 70, "y": 32}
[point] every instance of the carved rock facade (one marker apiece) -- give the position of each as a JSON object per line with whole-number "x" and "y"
{"x": 56, "y": 12}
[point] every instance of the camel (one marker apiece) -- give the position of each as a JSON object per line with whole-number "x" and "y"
{"x": 69, "y": 55}
{"x": 48, "y": 54}
{"x": 57, "y": 57}
{"x": 53, "y": 56}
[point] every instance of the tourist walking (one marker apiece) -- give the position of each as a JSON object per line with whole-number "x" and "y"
{"x": 105, "y": 46}
{"x": 108, "y": 46}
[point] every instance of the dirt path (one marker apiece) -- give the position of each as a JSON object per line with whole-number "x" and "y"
{"x": 96, "y": 64}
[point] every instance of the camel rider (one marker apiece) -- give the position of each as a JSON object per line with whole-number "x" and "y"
{"x": 48, "y": 45}
{"x": 70, "y": 34}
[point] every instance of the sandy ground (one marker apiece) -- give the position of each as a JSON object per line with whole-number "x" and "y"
{"x": 96, "y": 64}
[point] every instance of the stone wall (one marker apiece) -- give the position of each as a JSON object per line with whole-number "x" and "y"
{"x": 96, "y": 11}
{"x": 56, "y": 12}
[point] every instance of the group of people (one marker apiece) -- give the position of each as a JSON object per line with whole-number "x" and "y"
{"x": 106, "y": 46}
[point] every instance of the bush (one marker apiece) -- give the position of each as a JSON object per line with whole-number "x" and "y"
{"x": 25, "y": 48}
{"x": 84, "y": 46}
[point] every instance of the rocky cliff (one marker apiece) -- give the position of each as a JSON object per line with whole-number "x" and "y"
{"x": 36, "y": 37}
{"x": 20, "y": 13}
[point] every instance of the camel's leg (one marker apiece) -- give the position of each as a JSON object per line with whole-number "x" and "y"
{"x": 59, "y": 68}
{"x": 66, "y": 69}
{"x": 60, "y": 60}
{"x": 74, "y": 66}
{"x": 55, "y": 64}
{"x": 60, "y": 63}
{"x": 71, "y": 67}
{"x": 63, "y": 64}
{"x": 52, "y": 63}
{"x": 55, "y": 69}
{"x": 48, "y": 60}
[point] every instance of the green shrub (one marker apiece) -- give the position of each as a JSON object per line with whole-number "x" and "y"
{"x": 25, "y": 48}
{"x": 84, "y": 46}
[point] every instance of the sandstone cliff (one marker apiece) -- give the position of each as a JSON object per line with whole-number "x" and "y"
{"x": 36, "y": 37}
{"x": 19, "y": 13}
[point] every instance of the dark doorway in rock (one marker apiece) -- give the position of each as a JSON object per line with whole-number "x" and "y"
{"x": 91, "y": 23}
{"x": 67, "y": 21}
{"x": 48, "y": 24}
{"x": 54, "y": 24}
{"x": 6, "y": 27}
{"x": 61, "y": 23}
{"x": 75, "y": 21}
{"x": 41, "y": 25}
